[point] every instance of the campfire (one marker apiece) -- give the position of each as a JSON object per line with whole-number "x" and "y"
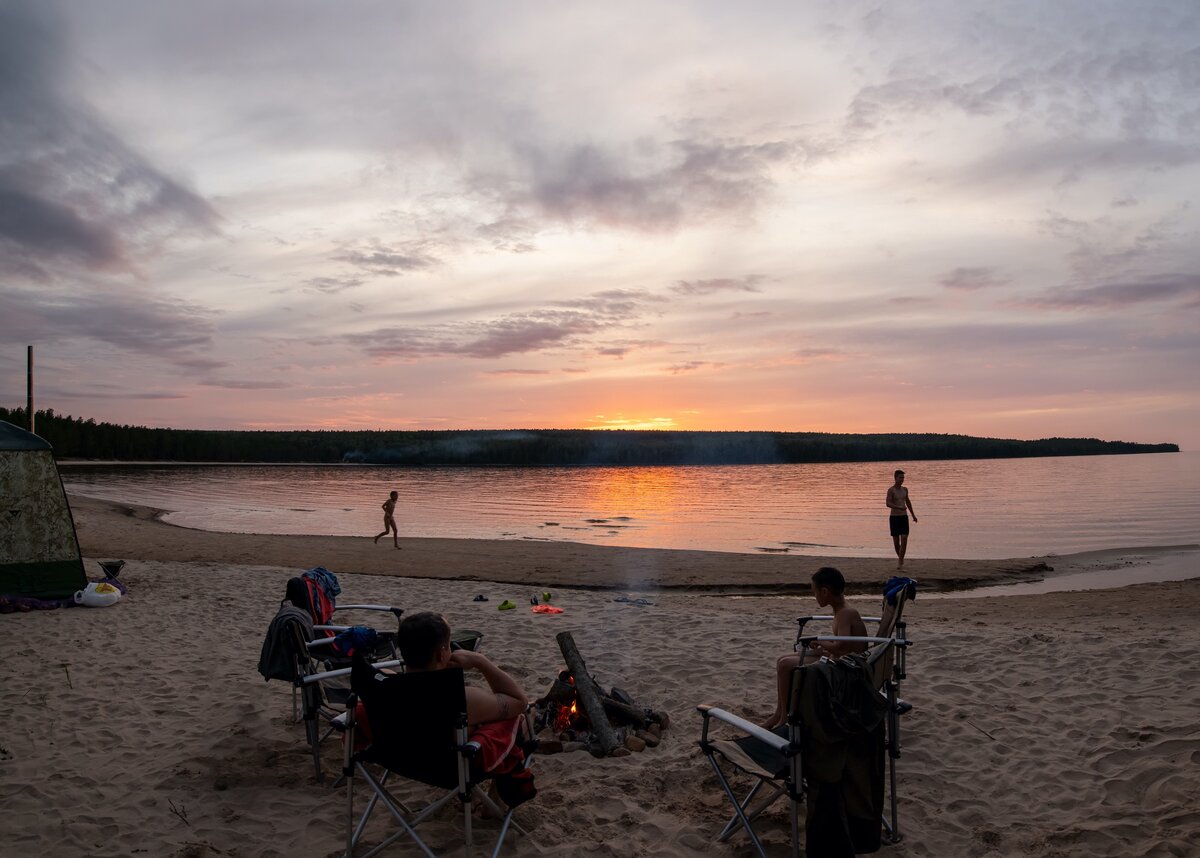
{"x": 578, "y": 714}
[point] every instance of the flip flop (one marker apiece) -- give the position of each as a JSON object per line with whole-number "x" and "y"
{"x": 629, "y": 601}
{"x": 480, "y": 598}
{"x": 506, "y": 605}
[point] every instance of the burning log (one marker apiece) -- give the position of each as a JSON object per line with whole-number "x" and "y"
{"x": 585, "y": 689}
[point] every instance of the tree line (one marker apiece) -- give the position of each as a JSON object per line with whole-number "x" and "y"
{"x": 77, "y": 438}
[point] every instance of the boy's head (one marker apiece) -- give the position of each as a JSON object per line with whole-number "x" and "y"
{"x": 394, "y": 495}
{"x": 899, "y": 475}
{"x": 421, "y": 638}
{"x": 828, "y": 584}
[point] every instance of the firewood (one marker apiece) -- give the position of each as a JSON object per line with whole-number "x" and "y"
{"x": 585, "y": 689}
{"x": 624, "y": 714}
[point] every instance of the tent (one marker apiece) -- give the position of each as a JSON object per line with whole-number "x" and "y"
{"x": 39, "y": 550}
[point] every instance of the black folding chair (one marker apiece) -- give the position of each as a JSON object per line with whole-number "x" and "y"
{"x": 418, "y": 732}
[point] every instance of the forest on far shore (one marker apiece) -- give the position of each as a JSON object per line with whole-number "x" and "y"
{"x": 77, "y": 438}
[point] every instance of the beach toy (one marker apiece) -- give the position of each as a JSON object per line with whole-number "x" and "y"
{"x": 546, "y": 609}
{"x": 97, "y": 595}
{"x": 506, "y": 605}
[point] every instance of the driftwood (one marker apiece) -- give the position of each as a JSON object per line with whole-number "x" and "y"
{"x": 589, "y": 699}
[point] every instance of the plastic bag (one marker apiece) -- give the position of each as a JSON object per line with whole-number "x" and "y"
{"x": 97, "y": 595}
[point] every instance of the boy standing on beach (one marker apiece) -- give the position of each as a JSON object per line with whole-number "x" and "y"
{"x": 829, "y": 588}
{"x": 899, "y": 506}
{"x": 389, "y": 519}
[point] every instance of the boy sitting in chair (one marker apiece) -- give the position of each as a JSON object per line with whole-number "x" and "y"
{"x": 424, "y": 641}
{"x": 829, "y": 588}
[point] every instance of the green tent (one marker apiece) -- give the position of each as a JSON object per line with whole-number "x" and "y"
{"x": 39, "y": 551}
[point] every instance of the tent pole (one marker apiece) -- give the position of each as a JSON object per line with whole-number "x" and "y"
{"x": 29, "y": 391}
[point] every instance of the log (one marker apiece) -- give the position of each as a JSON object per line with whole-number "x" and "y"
{"x": 588, "y": 698}
{"x": 623, "y": 713}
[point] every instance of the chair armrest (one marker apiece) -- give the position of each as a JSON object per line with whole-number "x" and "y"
{"x": 768, "y": 738}
{"x": 388, "y": 608}
{"x": 345, "y": 671}
{"x": 851, "y": 639}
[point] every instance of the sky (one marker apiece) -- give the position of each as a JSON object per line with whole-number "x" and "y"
{"x": 958, "y": 217}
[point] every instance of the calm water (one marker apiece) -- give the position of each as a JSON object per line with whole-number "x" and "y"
{"x": 970, "y": 509}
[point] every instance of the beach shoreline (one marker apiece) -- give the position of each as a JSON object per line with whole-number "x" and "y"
{"x": 127, "y": 531}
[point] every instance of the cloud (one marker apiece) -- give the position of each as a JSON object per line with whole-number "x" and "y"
{"x": 693, "y": 365}
{"x": 386, "y": 261}
{"x": 649, "y": 187}
{"x": 170, "y": 330}
{"x": 1122, "y": 293}
{"x": 749, "y": 283}
{"x": 972, "y": 279}
{"x": 516, "y": 372}
{"x": 245, "y": 385}
{"x": 565, "y": 323}
{"x": 72, "y": 193}
{"x": 333, "y": 285}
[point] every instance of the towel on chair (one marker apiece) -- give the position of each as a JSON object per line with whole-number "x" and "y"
{"x": 502, "y": 757}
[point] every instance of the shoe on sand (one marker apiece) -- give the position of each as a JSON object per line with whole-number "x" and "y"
{"x": 506, "y": 605}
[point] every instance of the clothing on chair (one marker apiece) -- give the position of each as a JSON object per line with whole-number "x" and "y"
{"x": 843, "y": 715}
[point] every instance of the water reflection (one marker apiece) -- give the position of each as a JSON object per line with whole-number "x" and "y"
{"x": 968, "y": 509}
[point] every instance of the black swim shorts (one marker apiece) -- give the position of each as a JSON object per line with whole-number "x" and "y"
{"x": 899, "y": 524}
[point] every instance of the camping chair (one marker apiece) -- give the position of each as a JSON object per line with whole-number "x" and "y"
{"x": 418, "y": 731}
{"x": 887, "y": 670}
{"x": 792, "y": 761}
{"x": 896, "y": 594}
{"x": 316, "y": 591}
{"x": 323, "y": 693}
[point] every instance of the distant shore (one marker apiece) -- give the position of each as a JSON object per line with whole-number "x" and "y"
{"x": 115, "y": 530}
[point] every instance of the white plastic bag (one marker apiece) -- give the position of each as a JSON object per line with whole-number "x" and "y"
{"x": 97, "y": 595}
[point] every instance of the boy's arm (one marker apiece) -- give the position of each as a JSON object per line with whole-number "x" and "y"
{"x": 908, "y": 503}
{"x": 506, "y": 697}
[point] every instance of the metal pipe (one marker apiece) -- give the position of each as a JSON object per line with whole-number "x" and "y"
{"x": 29, "y": 391}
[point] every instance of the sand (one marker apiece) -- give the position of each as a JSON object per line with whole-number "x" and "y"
{"x": 1059, "y": 725}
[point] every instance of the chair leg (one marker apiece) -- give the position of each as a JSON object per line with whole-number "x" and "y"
{"x": 737, "y": 806}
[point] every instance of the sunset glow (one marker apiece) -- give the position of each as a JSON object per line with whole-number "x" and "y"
{"x": 936, "y": 217}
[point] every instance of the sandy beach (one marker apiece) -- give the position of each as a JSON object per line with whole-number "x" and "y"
{"x": 1057, "y": 725}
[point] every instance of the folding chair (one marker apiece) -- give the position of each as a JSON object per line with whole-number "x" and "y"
{"x": 324, "y": 693}
{"x": 316, "y": 591}
{"x": 888, "y": 668}
{"x": 417, "y": 726}
{"x": 783, "y": 762}
{"x": 896, "y": 593}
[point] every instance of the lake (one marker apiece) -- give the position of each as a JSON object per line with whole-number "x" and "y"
{"x": 991, "y": 508}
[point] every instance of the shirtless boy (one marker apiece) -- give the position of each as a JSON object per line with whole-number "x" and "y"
{"x": 424, "y": 641}
{"x": 829, "y": 588}
{"x": 389, "y": 519}
{"x": 899, "y": 506}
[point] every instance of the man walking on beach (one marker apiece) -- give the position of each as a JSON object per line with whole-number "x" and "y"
{"x": 389, "y": 519}
{"x": 899, "y": 506}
